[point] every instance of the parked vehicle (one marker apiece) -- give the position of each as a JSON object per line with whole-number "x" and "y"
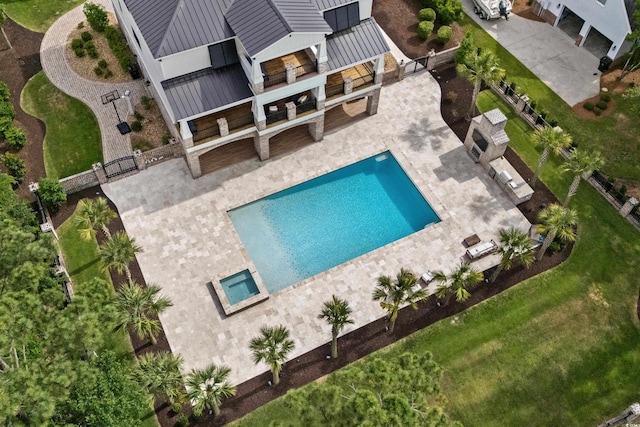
{"x": 490, "y": 9}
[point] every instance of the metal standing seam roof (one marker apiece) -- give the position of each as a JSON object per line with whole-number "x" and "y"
{"x": 172, "y": 26}
{"x": 355, "y": 44}
{"x": 206, "y": 90}
{"x": 260, "y": 23}
{"x": 330, "y": 4}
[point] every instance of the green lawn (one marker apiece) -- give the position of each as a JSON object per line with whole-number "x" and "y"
{"x": 82, "y": 260}
{"x": 72, "y": 142}
{"x": 37, "y": 15}
{"x": 622, "y": 152}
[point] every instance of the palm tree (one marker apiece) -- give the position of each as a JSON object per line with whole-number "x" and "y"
{"x": 336, "y": 312}
{"x": 138, "y": 309}
{"x": 93, "y": 215}
{"x": 118, "y": 252}
{"x": 458, "y": 282}
{"x": 581, "y": 164}
{"x": 272, "y": 347}
{"x": 393, "y": 294}
{"x": 477, "y": 67}
{"x": 206, "y": 388}
{"x": 552, "y": 140}
{"x": 515, "y": 247}
{"x": 556, "y": 221}
{"x": 160, "y": 374}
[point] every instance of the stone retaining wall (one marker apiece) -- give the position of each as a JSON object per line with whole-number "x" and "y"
{"x": 158, "y": 155}
{"x": 80, "y": 181}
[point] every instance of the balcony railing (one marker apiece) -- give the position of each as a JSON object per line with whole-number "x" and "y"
{"x": 276, "y": 116}
{"x": 206, "y": 133}
{"x": 271, "y": 79}
{"x": 240, "y": 122}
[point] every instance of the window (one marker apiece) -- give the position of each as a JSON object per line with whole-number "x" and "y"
{"x": 343, "y": 17}
{"x": 135, "y": 36}
{"x": 223, "y": 54}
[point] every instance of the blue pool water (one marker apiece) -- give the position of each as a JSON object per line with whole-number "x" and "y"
{"x": 319, "y": 224}
{"x": 239, "y": 287}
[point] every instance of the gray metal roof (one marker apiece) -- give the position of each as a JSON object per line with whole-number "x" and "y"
{"x": 330, "y": 4}
{"x": 171, "y": 26}
{"x": 260, "y": 23}
{"x": 206, "y": 90}
{"x": 355, "y": 44}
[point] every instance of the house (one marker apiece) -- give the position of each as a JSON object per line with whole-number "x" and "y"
{"x": 225, "y": 71}
{"x": 601, "y": 26}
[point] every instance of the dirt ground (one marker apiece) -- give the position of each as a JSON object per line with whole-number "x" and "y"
{"x": 154, "y": 131}
{"x": 521, "y": 8}
{"x": 85, "y": 66}
{"x": 17, "y": 66}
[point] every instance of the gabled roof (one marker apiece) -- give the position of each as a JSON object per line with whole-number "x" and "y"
{"x": 355, "y": 44}
{"x": 171, "y": 26}
{"x": 206, "y": 90}
{"x": 330, "y": 4}
{"x": 260, "y": 23}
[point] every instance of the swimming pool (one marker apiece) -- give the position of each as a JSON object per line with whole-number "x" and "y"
{"x": 239, "y": 287}
{"x": 309, "y": 228}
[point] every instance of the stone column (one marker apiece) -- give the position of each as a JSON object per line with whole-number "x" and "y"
{"x": 524, "y": 99}
{"x": 261, "y": 145}
{"x": 223, "y": 127}
{"x": 316, "y": 129}
{"x": 193, "y": 161}
{"x": 348, "y": 85}
{"x": 320, "y": 97}
{"x": 431, "y": 60}
{"x": 400, "y": 68}
{"x": 139, "y": 159}
{"x": 99, "y": 171}
{"x": 291, "y": 110}
{"x": 372, "y": 102}
{"x": 290, "y": 69}
{"x": 321, "y": 57}
{"x": 322, "y": 67}
{"x": 628, "y": 206}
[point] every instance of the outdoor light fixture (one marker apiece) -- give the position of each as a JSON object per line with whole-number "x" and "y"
{"x": 614, "y": 47}
{"x": 559, "y": 4}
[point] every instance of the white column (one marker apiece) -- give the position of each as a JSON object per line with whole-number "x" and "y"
{"x": 379, "y": 69}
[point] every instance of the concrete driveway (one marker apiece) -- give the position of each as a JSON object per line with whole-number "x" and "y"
{"x": 570, "y": 71}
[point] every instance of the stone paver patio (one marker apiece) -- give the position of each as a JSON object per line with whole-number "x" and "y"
{"x": 189, "y": 241}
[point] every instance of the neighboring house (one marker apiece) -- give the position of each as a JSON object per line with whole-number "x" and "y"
{"x": 599, "y": 25}
{"x": 225, "y": 71}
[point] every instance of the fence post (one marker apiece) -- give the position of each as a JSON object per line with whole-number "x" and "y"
{"x": 291, "y": 110}
{"x": 400, "y": 67}
{"x": 100, "y": 174}
{"x": 139, "y": 159}
{"x": 628, "y": 206}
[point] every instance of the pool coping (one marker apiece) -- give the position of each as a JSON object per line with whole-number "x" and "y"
{"x": 229, "y": 308}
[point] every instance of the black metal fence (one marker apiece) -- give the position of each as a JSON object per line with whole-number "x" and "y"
{"x": 607, "y": 185}
{"x": 276, "y": 116}
{"x": 275, "y": 78}
{"x": 334, "y": 90}
{"x": 120, "y": 166}
{"x": 363, "y": 80}
{"x": 308, "y": 105}
{"x": 416, "y": 65}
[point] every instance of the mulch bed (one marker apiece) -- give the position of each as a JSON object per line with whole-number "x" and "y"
{"x": 19, "y": 64}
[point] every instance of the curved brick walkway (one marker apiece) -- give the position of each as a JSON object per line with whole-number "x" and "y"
{"x": 58, "y": 71}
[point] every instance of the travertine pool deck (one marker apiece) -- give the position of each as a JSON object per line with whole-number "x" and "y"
{"x": 188, "y": 239}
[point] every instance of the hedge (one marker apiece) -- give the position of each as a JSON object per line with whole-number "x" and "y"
{"x": 425, "y": 28}
{"x": 427, "y": 14}
{"x": 119, "y": 47}
{"x": 444, "y": 34}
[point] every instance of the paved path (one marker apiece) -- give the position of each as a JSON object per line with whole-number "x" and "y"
{"x": 54, "y": 64}
{"x": 570, "y": 71}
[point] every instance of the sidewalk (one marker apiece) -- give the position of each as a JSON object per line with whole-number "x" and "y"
{"x": 57, "y": 70}
{"x": 570, "y": 71}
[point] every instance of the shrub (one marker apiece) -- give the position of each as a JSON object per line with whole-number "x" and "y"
{"x": 99, "y": 71}
{"x": 102, "y": 63}
{"x": 588, "y": 106}
{"x": 96, "y": 16}
{"x": 15, "y": 137}
{"x": 605, "y": 97}
{"x": 77, "y": 44}
{"x": 136, "y": 126}
{"x": 176, "y": 407}
{"x": 427, "y": 14}
{"x": 118, "y": 46}
{"x": 466, "y": 46}
{"x": 447, "y": 11}
{"x": 86, "y": 36}
{"x": 93, "y": 53}
{"x": 597, "y": 111}
{"x": 147, "y": 102}
{"x": 452, "y": 96}
{"x": 623, "y": 190}
{"x": 6, "y": 110}
{"x": 79, "y": 52}
{"x": 51, "y": 193}
{"x": 601, "y": 105}
{"x": 444, "y": 34}
{"x": 107, "y": 73}
{"x": 15, "y": 166}
{"x": 183, "y": 421}
{"x": 553, "y": 123}
{"x": 165, "y": 139}
{"x": 80, "y": 26}
{"x": 4, "y": 92}
{"x": 5, "y": 124}
{"x": 554, "y": 247}
{"x": 138, "y": 115}
{"x": 424, "y": 29}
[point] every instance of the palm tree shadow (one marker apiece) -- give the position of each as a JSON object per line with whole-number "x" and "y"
{"x": 84, "y": 267}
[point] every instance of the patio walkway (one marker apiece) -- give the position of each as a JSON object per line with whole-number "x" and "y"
{"x": 188, "y": 239}
{"x": 55, "y": 66}
{"x": 570, "y": 71}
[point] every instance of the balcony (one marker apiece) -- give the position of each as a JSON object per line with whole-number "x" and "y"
{"x": 274, "y": 71}
{"x": 277, "y": 113}
{"x": 206, "y": 128}
{"x": 362, "y": 75}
